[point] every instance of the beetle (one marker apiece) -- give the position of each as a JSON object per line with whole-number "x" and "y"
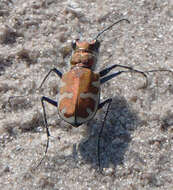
{"x": 79, "y": 88}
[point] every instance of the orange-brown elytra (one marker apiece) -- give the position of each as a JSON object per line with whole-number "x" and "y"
{"x": 79, "y": 96}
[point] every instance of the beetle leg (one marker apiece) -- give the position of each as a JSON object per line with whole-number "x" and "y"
{"x": 105, "y": 102}
{"x": 52, "y": 70}
{"x": 107, "y": 70}
{"x": 54, "y": 103}
{"x": 108, "y": 101}
{"x": 130, "y": 69}
{"x": 104, "y": 79}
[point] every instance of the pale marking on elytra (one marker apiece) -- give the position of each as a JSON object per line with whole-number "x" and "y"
{"x": 89, "y": 111}
{"x": 95, "y": 83}
{"x": 89, "y": 95}
{"x": 65, "y": 95}
{"x": 62, "y": 84}
{"x": 68, "y": 119}
{"x": 63, "y": 111}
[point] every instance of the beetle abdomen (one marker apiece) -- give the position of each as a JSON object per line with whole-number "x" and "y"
{"x": 79, "y": 95}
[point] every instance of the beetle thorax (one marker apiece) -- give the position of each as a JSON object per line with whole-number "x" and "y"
{"x": 83, "y": 58}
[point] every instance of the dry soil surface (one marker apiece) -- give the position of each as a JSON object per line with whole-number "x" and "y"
{"x": 137, "y": 141}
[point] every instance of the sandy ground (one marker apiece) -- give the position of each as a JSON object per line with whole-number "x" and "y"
{"x": 137, "y": 141}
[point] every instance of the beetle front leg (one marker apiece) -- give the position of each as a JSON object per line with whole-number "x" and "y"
{"x": 108, "y": 101}
{"x": 52, "y": 70}
{"x": 54, "y": 103}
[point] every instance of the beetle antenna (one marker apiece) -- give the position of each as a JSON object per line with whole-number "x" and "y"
{"x": 111, "y": 27}
{"x": 80, "y": 34}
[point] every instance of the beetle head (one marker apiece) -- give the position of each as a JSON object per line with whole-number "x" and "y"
{"x": 92, "y": 46}
{"x": 85, "y": 53}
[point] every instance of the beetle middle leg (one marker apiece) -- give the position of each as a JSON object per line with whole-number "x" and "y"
{"x": 108, "y": 101}
{"x": 54, "y": 103}
{"x": 129, "y": 69}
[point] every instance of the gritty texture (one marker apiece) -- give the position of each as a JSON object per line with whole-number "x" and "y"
{"x": 137, "y": 141}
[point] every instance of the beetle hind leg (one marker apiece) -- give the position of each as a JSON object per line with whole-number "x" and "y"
{"x": 54, "y": 103}
{"x": 108, "y": 101}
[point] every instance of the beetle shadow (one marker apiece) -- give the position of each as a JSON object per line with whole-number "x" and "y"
{"x": 115, "y": 138}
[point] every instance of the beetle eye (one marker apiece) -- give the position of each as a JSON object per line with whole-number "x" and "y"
{"x": 97, "y": 44}
{"x": 73, "y": 44}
